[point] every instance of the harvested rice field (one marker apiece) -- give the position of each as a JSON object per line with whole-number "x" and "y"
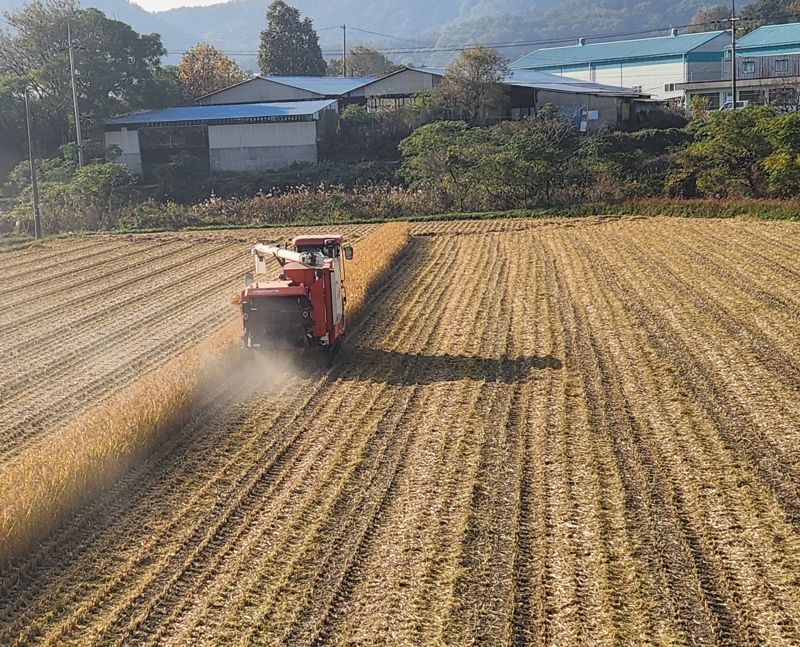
{"x": 571, "y": 432}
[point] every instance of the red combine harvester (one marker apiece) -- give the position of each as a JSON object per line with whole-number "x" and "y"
{"x": 304, "y": 306}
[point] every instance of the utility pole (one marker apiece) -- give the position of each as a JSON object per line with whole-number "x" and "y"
{"x": 733, "y": 21}
{"x": 75, "y": 98}
{"x": 37, "y": 218}
{"x": 344, "y": 50}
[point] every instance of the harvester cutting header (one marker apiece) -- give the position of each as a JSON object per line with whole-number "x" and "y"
{"x": 303, "y": 307}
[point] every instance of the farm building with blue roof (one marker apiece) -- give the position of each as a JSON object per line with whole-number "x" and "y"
{"x": 770, "y": 40}
{"x": 230, "y": 137}
{"x": 653, "y": 66}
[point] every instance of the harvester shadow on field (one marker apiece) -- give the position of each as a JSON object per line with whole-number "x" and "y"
{"x": 416, "y": 368}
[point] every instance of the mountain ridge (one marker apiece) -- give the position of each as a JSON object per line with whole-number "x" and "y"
{"x": 234, "y": 26}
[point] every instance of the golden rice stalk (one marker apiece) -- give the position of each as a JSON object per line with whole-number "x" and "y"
{"x": 56, "y": 475}
{"x": 373, "y": 256}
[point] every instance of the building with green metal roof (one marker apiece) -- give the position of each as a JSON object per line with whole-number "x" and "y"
{"x": 653, "y": 66}
{"x": 767, "y": 70}
{"x": 770, "y": 40}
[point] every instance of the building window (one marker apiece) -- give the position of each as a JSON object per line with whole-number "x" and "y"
{"x": 727, "y": 55}
{"x": 748, "y": 67}
{"x": 669, "y": 87}
{"x": 753, "y": 97}
{"x": 782, "y": 65}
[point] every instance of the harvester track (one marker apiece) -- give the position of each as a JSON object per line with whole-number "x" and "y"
{"x": 586, "y": 434}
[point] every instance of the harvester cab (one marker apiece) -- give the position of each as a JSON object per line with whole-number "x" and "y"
{"x": 304, "y": 306}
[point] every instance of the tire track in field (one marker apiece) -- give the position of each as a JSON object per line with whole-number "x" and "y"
{"x": 528, "y": 625}
{"x": 482, "y": 593}
{"x": 422, "y": 492}
{"x": 605, "y": 594}
{"x": 344, "y": 531}
{"x": 120, "y": 257}
{"x": 751, "y": 612}
{"x": 677, "y": 337}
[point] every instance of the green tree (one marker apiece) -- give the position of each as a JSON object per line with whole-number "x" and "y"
{"x": 699, "y": 107}
{"x": 204, "y": 69}
{"x": 726, "y": 156}
{"x": 12, "y": 123}
{"x": 472, "y": 84}
{"x": 782, "y": 165}
{"x": 165, "y": 89}
{"x": 444, "y": 159}
{"x": 710, "y": 19}
{"x": 289, "y": 45}
{"x": 116, "y": 68}
{"x": 363, "y": 61}
{"x": 537, "y": 161}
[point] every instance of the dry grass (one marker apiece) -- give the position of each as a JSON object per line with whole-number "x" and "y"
{"x": 51, "y": 478}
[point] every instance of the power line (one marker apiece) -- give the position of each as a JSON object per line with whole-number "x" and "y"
{"x": 377, "y": 33}
{"x": 433, "y": 49}
{"x": 425, "y": 49}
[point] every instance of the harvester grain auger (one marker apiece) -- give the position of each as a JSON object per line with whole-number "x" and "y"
{"x": 302, "y": 308}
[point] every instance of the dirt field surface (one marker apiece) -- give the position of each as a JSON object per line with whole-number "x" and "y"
{"x": 81, "y": 318}
{"x": 567, "y": 432}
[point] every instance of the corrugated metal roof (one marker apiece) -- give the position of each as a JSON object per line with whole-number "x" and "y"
{"x": 771, "y": 35}
{"x": 232, "y": 112}
{"x": 615, "y": 50}
{"x": 324, "y": 85}
{"x": 544, "y": 81}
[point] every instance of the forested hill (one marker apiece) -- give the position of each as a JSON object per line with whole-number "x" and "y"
{"x": 234, "y": 26}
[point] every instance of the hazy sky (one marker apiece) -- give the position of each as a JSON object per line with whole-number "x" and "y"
{"x": 161, "y": 5}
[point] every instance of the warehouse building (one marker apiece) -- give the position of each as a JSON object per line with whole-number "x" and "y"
{"x": 652, "y": 66}
{"x": 594, "y": 103}
{"x": 231, "y": 137}
{"x": 767, "y": 70}
{"x": 588, "y": 105}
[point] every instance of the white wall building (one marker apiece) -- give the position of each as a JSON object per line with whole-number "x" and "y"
{"x": 653, "y": 66}
{"x": 231, "y": 137}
